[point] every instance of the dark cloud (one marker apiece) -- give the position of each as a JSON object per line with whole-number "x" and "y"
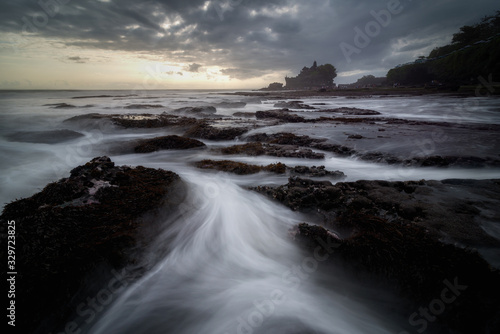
{"x": 194, "y": 67}
{"x": 249, "y": 38}
{"x": 78, "y": 59}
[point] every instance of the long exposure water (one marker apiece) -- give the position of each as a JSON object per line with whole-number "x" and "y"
{"x": 231, "y": 266}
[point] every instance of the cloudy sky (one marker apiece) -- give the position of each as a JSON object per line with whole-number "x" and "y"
{"x": 169, "y": 44}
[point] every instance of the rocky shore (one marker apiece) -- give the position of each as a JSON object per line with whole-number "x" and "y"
{"x": 98, "y": 220}
{"x": 410, "y": 237}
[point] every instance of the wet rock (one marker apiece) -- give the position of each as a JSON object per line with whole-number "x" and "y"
{"x": 205, "y": 131}
{"x": 409, "y": 261}
{"x": 282, "y": 115}
{"x": 240, "y": 168}
{"x": 257, "y": 148}
{"x": 293, "y": 105}
{"x": 285, "y": 138}
{"x": 60, "y": 106}
{"x": 102, "y": 96}
{"x": 144, "y": 106}
{"x": 334, "y": 148}
{"x": 167, "y": 143}
{"x": 44, "y": 137}
{"x": 351, "y": 111}
{"x": 197, "y": 110}
{"x": 230, "y": 105}
{"x": 314, "y": 171}
{"x": 431, "y": 204}
{"x": 392, "y": 232}
{"x": 251, "y": 149}
{"x": 244, "y": 114}
{"x": 152, "y": 121}
{"x": 92, "y": 219}
{"x": 136, "y": 120}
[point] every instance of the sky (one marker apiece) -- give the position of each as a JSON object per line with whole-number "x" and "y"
{"x": 219, "y": 44}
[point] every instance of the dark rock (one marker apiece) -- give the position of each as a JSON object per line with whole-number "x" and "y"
{"x": 293, "y": 105}
{"x": 409, "y": 261}
{"x": 44, "y": 137}
{"x": 438, "y": 206}
{"x": 315, "y": 172}
{"x": 282, "y": 115}
{"x": 257, "y": 148}
{"x": 205, "y": 131}
{"x": 390, "y": 233}
{"x": 102, "y": 96}
{"x": 251, "y": 149}
{"x": 152, "y": 121}
{"x": 244, "y": 114}
{"x": 60, "y": 105}
{"x": 76, "y": 225}
{"x": 351, "y": 111}
{"x": 239, "y": 167}
{"x": 167, "y": 143}
{"x": 197, "y": 110}
{"x": 229, "y": 105}
{"x": 285, "y": 138}
{"x": 144, "y": 106}
{"x": 137, "y": 120}
{"x": 334, "y": 148}
{"x": 355, "y": 137}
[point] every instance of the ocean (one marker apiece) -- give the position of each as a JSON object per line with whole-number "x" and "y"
{"x": 232, "y": 266}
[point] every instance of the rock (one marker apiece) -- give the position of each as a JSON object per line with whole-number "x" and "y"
{"x": 144, "y": 106}
{"x": 103, "y": 96}
{"x": 351, "y": 111}
{"x": 239, "y": 167}
{"x": 77, "y": 225}
{"x": 230, "y": 105}
{"x": 285, "y": 138}
{"x": 205, "y": 131}
{"x": 315, "y": 172}
{"x": 334, "y": 148}
{"x": 167, "y": 143}
{"x": 257, "y": 148}
{"x": 391, "y": 233}
{"x": 418, "y": 267}
{"x": 60, "y": 105}
{"x": 152, "y": 121}
{"x": 355, "y": 137}
{"x": 244, "y": 114}
{"x": 197, "y": 110}
{"x": 251, "y": 149}
{"x": 439, "y": 206}
{"x": 44, "y": 137}
{"x": 293, "y": 105}
{"x": 282, "y": 115}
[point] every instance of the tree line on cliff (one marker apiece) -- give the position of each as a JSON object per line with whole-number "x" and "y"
{"x": 473, "y": 53}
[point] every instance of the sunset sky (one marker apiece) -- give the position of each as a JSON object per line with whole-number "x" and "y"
{"x": 182, "y": 44}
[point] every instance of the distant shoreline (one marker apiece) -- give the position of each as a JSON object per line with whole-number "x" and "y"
{"x": 463, "y": 91}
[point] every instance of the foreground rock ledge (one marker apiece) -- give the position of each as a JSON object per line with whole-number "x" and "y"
{"x": 392, "y": 233}
{"x": 92, "y": 219}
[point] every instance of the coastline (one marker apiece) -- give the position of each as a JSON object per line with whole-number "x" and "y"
{"x": 352, "y": 174}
